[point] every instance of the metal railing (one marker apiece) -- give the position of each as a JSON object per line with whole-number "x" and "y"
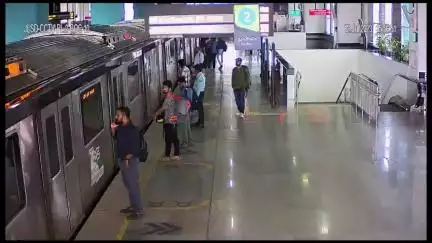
{"x": 298, "y": 78}
{"x": 364, "y": 95}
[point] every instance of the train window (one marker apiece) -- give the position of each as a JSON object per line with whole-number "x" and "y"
{"x": 92, "y": 112}
{"x": 115, "y": 93}
{"x": 51, "y": 140}
{"x": 121, "y": 90}
{"x": 15, "y": 193}
{"x": 133, "y": 81}
{"x": 67, "y": 134}
{"x": 172, "y": 49}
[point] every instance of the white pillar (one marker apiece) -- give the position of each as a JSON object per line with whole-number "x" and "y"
{"x": 422, "y": 37}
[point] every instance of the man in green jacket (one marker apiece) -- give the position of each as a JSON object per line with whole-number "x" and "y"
{"x": 240, "y": 83}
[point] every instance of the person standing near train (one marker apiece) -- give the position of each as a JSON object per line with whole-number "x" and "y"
{"x": 170, "y": 122}
{"x": 184, "y": 71}
{"x": 128, "y": 150}
{"x": 198, "y": 99}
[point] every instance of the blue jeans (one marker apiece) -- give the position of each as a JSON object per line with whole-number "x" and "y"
{"x": 131, "y": 181}
{"x": 240, "y": 99}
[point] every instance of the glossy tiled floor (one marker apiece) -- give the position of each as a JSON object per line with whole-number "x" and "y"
{"x": 315, "y": 173}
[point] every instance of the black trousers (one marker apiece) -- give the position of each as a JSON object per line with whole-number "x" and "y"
{"x": 170, "y": 132}
{"x": 199, "y": 105}
{"x": 213, "y": 60}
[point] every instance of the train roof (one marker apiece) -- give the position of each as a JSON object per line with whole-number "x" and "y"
{"x": 49, "y": 54}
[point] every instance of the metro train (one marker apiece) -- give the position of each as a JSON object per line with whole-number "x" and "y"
{"x": 61, "y": 94}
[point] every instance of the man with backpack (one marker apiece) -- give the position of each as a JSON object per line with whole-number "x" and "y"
{"x": 183, "y": 97}
{"x": 240, "y": 83}
{"x": 128, "y": 154}
{"x": 221, "y": 48}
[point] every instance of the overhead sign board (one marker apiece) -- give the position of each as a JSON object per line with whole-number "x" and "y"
{"x": 319, "y": 12}
{"x": 247, "y": 35}
{"x": 294, "y": 13}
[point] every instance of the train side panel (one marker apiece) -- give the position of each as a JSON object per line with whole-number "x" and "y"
{"x": 25, "y": 205}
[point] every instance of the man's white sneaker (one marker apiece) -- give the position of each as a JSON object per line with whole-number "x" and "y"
{"x": 238, "y": 113}
{"x": 242, "y": 115}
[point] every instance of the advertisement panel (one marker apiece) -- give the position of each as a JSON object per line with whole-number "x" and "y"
{"x": 247, "y": 35}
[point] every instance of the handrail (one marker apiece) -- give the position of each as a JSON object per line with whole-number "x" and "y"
{"x": 343, "y": 87}
{"x": 298, "y": 78}
{"x": 392, "y": 79}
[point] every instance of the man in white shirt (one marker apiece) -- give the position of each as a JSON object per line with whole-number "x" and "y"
{"x": 199, "y": 57}
{"x": 184, "y": 71}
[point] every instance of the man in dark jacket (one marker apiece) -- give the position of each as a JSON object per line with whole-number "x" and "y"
{"x": 128, "y": 148}
{"x": 221, "y": 48}
{"x": 240, "y": 83}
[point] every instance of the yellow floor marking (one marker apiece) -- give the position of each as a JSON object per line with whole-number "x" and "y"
{"x": 203, "y": 203}
{"x": 208, "y": 166}
{"x": 254, "y": 113}
{"x": 123, "y": 228}
{"x": 146, "y": 178}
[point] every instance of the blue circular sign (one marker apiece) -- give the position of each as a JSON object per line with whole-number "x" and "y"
{"x": 247, "y": 16}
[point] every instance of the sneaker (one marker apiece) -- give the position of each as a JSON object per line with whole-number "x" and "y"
{"x": 176, "y": 157}
{"x": 238, "y": 113}
{"x": 165, "y": 159}
{"x": 184, "y": 145}
{"x": 127, "y": 210}
{"x": 242, "y": 115}
{"x": 135, "y": 215}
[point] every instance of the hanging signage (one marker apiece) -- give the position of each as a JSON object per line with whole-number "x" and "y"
{"x": 319, "y": 12}
{"x": 294, "y": 13}
{"x": 247, "y": 35}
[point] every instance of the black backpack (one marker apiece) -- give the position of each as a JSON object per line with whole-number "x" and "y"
{"x": 225, "y": 47}
{"x": 143, "y": 153}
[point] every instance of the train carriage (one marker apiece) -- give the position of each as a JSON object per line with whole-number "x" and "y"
{"x": 61, "y": 94}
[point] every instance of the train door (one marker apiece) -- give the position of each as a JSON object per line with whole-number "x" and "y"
{"x": 161, "y": 68}
{"x": 92, "y": 138}
{"x": 69, "y": 161}
{"x": 147, "y": 84}
{"x": 54, "y": 155}
{"x": 116, "y": 90}
{"x": 171, "y": 65}
{"x": 188, "y": 52}
{"x": 133, "y": 91}
{"x": 153, "y": 87}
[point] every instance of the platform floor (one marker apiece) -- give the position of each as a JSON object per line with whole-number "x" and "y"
{"x": 318, "y": 172}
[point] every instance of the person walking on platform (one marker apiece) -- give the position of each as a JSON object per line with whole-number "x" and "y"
{"x": 208, "y": 54}
{"x": 221, "y": 48}
{"x": 198, "y": 100}
{"x": 183, "y": 97}
{"x": 184, "y": 71}
{"x": 170, "y": 122}
{"x": 214, "y": 52}
{"x": 128, "y": 148}
{"x": 240, "y": 82}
